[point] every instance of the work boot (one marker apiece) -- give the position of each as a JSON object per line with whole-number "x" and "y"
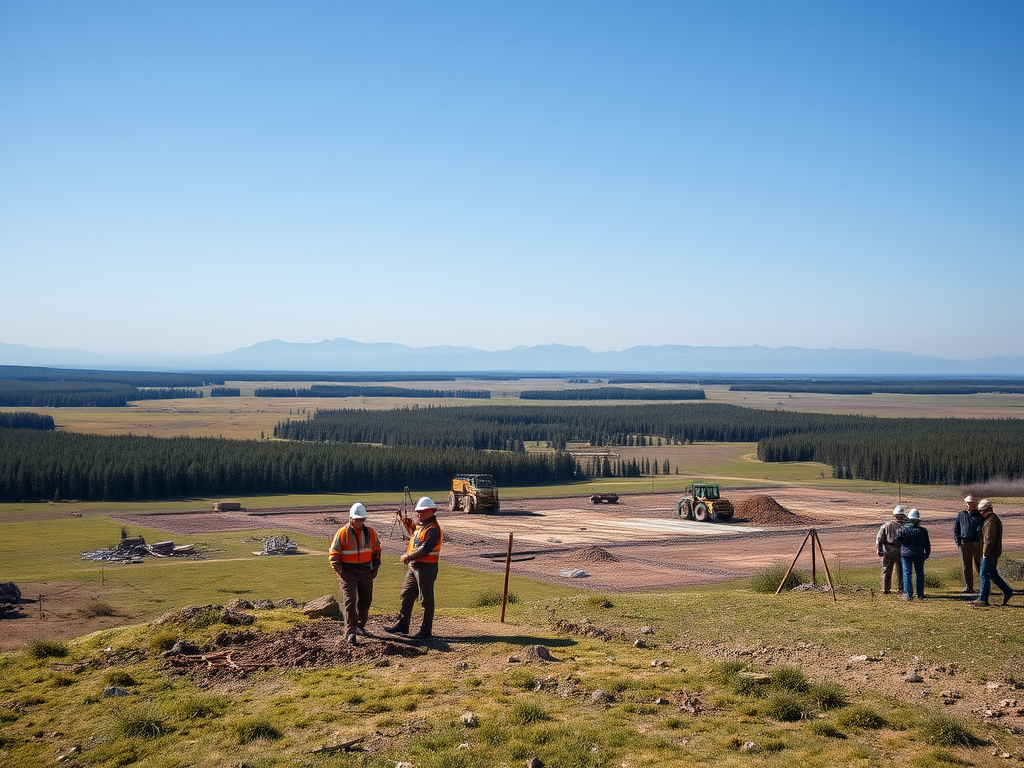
{"x": 979, "y": 603}
{"x": 352, "y": 639}
{"x": 423, "y": 634}
{"x": 361, "y": 630}
{"x": 398, "y": 628}
{"x": 1006, "y": 599}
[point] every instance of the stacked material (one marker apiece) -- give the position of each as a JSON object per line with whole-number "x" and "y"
{"x": 591, "y": 555}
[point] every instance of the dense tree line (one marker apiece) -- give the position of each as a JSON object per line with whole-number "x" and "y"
{"x": 23, "y": 420}
{"x": 129, "y": 378}
{"x": 341, "y": 390}
{"x": 225, "y": 392}
{"x": 66, "y": 465}
{"x": 79, "y": 394}
{"x": 912, "y": 450}
{"x": 612, "y": 393}
{"x": 925, "y": 451}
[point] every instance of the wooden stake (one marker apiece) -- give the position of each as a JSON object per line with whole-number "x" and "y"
{"x": 508, "y": 564}
{"x": 814, "y": 569}
{"x": 793, "y": 564}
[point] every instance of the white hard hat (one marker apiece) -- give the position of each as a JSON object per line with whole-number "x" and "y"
{"x": 913, "y": 515}
{"x": 358, "y": 511}
{"x": 898, "y": 510}
{"x": 425, "y": 502}
{"x": 968, "y": 498}
{"x": 984, "y": 504}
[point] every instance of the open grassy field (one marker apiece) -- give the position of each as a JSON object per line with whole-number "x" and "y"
{"x": 248, "y": 417}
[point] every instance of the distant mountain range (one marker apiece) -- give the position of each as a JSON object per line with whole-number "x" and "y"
{"x": 340, "y": 355}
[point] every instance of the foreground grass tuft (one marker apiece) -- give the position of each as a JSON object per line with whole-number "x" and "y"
{"x": 767, "y": 581}
{"x": 254, "y": 730}
{"x": 120, "y": 678}
{"x": 492, "y": 597}
{"x": 945, "y": 731}
{"x": 95, "y": 608}
{"x": 526, "y": 712}
{"x": 860, "y": 717}
{"x": 44, "y": 649}
{"x": 827, "y": 696}
{"x": 140, "y": 721}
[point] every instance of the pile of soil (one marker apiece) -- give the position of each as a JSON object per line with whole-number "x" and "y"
{"x": 591, "y": 555}
{"x": 764, "y": 510}
{"x": 316, "y": 644}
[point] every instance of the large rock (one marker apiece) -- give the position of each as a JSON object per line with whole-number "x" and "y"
{"x": 325, "y": 607}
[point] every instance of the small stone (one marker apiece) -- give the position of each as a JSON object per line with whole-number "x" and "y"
{"x": 470, "y": 720}
{"x": 539, "y": 652}
{"x": 513, "y": 659}
{"x": 993, "y": 686}
{"x": 646, "y": 630}
{"x": 661, "y": 701}
{"x": 463, "y": 745}
{"x": 659, "y": 663}
{"x": 286, "y": 602}
{"x": 403, "y": 765}
{"x": 185, "y": 648}
{"x": 112, "y": 692}
{"x": 859, "y": 658}
{"x": 598, "y": 697}
{"x": 913, "y": 676}
{"x": 534, "y": 762}
{"x": 263, "y": 605}
{"x": 461, "y": 665}
{"x": 750, "y": 746}
{"x": 1008, "y": 703}
{"x": 639, "y": 644}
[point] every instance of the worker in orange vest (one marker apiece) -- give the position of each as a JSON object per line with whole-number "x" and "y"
{"x": 421, "y": 557}
{"x": 355, "y": 557}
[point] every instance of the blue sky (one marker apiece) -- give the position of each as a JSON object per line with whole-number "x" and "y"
{"x": 196, "y": 176}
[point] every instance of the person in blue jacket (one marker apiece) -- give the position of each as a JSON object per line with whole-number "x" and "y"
{"x": 915, "y": 548}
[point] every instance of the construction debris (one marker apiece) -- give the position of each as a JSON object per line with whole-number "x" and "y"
{"x": 275, "y": 545}
{"x": 132, "y": 550}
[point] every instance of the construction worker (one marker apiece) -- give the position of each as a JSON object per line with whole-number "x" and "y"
{"x": 355, "y": 557}
{"x": 915, "y": 548}
{"x": 991, "y": 549}
{"x": 421, "y": 557}
{"x": 967, "y": 535}
{"x": 889, "y": 550}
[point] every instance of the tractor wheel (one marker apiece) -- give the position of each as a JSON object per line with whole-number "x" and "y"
{"x": 470, "y": 506}
{"x": 453, "y": 502}
{"x": 685, "y": 509}
{"x": 700, "y": 512}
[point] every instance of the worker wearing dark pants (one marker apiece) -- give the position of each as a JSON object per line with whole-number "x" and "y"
{"x": 967, "y": 535}
{"x": 421, "y": 556}
{"x": 355, "y": 555}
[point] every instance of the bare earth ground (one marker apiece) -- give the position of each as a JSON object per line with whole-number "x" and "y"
{"x": 642, "y": 530}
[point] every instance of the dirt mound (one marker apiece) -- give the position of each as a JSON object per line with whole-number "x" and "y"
{"x": 316, "y": 644}
{"x": 591, "y": 555}
{"x": 764, "y": 510}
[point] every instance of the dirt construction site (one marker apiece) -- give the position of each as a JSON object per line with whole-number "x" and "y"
{"x": 571, "y": 540}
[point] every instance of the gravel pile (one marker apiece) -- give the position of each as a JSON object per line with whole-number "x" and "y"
{"x": 591, "y": 555}
{"x": 764, "y": 510}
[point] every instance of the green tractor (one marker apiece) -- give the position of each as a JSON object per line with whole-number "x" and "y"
{"x": 704, "y": 504}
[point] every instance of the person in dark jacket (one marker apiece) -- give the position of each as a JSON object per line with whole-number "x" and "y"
{"x": 915, "y": 548}
{"x": 991, "y": 549}
{"x": 967, "y": 535}
{"x": 421, "y": 556}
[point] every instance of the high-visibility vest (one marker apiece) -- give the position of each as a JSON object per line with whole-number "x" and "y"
{"x": 349, "y": 547}
{"x": 417, "y": 538}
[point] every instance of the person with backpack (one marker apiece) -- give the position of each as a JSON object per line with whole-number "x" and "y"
{"x": 915, "y": 548}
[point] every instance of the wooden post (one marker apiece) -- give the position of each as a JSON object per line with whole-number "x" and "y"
{"x": 40, "y": 607}
{"x": 508, "y": 564}
{"x": 828, "y": 574}
{"x": 814, "y": 564}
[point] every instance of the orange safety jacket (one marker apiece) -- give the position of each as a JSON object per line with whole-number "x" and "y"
{"x": 350, "y": 548}
{"x": 418, "y": 538}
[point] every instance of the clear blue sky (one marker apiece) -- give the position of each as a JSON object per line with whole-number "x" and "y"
{"x": 200, "y": 176}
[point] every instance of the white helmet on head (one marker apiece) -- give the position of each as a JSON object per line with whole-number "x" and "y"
{"x": 969, "y": 498}
{"x": 425, "y": 503}
{"x": 913, "y": 515}
{"x": 898, "y": 510}
{"x": 984, "y": 504}
{"x": 358, "y": 512}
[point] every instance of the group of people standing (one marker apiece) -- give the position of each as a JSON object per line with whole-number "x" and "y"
{"x": 978, "y": 533}
{"x": 355, "y": 555}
